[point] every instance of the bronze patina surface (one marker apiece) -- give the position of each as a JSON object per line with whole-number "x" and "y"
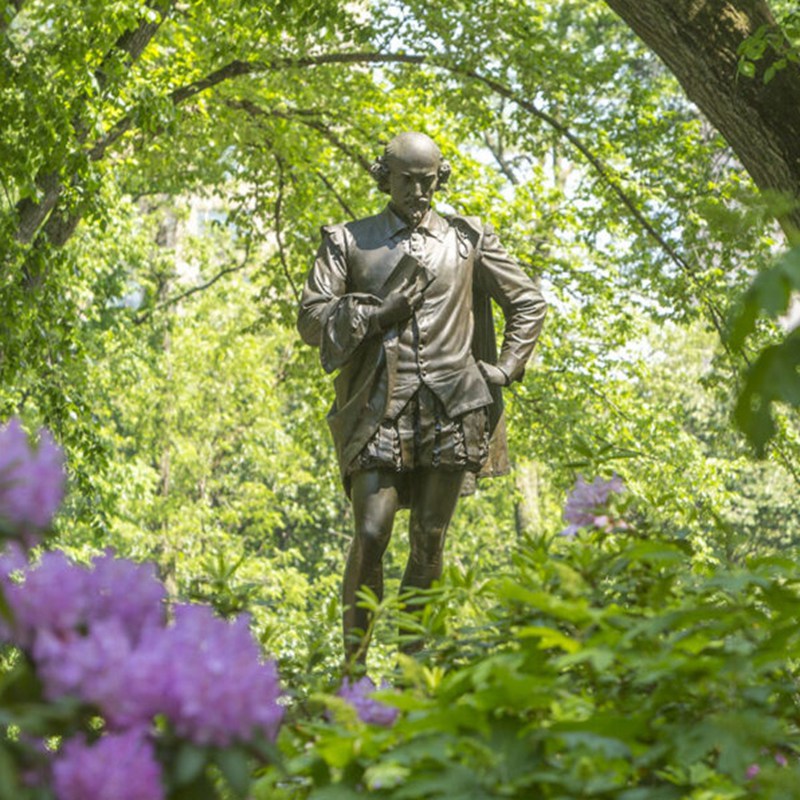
{"x": 400, "y": 304}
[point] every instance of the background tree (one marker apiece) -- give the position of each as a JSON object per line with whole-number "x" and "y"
{"x": 742, "y": 69}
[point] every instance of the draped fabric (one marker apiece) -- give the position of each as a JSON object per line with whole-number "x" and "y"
{"x": 440, "y": 346}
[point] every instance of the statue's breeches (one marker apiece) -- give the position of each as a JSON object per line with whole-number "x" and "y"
{"x": 423, "y": 436}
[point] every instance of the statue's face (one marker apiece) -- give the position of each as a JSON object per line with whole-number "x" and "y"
{"x": 413, "y": 177}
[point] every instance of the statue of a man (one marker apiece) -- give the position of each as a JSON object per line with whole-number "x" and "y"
{"x": 399, "y": 303}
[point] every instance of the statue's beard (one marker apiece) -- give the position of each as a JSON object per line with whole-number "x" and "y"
{"x": 417, "y": 210}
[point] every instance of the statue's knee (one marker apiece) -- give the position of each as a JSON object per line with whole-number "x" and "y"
{"x": 373, "y": 540}
{"x": 427, "y": 542}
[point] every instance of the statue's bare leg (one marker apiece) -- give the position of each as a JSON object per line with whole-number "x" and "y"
{"x": 434, "y": 494}
{"x": 375, "y": 499}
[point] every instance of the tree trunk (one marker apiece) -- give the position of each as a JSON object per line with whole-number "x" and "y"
{"x": 31, "y": 213}
{"x": 527, "y": 510}
{"x": 168, "y": 549}
{"x": 698, "y": 41}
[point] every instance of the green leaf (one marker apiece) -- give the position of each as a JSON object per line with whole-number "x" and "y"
{"x": 335, "y": 791}
{"x": 189, "y": 763}
{"x": 773, "y": 377}
{"x": 606, "y": 746}
{"x": 21, "y": 684}
{"x": 385, "y": 775}
{"x": 9, "y": 775}
{"x": 770, "y": 293}
{"x": 652, "y": 793}
{"x": 550, "y": 637}
{"x": 199, "y": 789}
{"x": 455, "y": 780}
{"x": 235, "y": 766}
{"x": 570, "y": 610}
{"x": 657, "y": 552}
{"x": 338, "y": 751}
{"x": 747, "y": 68}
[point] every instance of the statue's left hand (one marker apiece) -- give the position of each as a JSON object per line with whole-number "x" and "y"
{"x": 494, "y": 375}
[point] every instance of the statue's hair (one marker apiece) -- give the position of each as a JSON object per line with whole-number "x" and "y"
{"x": 380, "y": 169}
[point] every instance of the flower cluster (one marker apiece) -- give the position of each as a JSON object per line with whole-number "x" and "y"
{"x": 214, "y": 689}
{"x": 121, "y": 766}
{"x": 100, "y": 634}
{"x": 31, "y": 482}
{"x": 59, "y": 600}
{"x": 587, "y": 503}
{"x": 370, "y": 710}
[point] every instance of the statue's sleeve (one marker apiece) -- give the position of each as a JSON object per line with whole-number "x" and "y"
{"x": 330, "y": 317}
{"x": 518, "y": 296}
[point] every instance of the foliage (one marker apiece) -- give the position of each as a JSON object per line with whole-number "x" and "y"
{"x": 779, "y": 40}
{"x": 618, "y": 665}
{"x": 774, "y": 376}
{"x": 619, "y": 661}
{"x": 139, "y": 707}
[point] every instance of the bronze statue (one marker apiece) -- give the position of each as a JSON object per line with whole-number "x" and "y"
{"x": 400, "y": 304}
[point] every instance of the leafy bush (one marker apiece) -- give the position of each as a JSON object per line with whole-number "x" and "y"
{"x": 616, "y": 664}
{"x": 103, "y": 696}
{"x": 617, "y": 660}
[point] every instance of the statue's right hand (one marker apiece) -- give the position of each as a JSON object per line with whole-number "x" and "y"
{"x": 399, "y": 305}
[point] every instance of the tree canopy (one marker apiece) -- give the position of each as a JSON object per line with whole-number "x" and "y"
{"x": 564, "y": 130}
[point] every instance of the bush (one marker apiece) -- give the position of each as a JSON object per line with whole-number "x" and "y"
{"x": 105, "y": 695}
{"x": 614, "y": 664}
{"x": 612, "y": 661}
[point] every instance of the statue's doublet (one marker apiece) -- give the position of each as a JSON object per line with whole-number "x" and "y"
{"x": 439, "y": 346}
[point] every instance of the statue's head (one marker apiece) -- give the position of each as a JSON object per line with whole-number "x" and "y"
{"x": 410, "y": 170}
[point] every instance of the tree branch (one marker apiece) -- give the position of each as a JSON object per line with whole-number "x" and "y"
{"x": 32, "y": 213}
{"x": 496, "y": 149}
{"x": 277, "y": 216}
{"x": 236, "y": 69}
{"x": 304, "y": 117}
{"x": 339, "y": 199}
{"x": 133, "y": 42}
{"x": 5, "y": 19}
{"x": 240, "y": 68}
{"x": 143, "y": 317}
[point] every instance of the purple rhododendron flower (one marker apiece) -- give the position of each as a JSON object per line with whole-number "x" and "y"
{"x": 53, "y": 599}
{"x": 83, "y": 627}
{"x": 99, "y": 633}
{"x": 586, "y": 503}
{"x": 13, "y": 558}
{"x": 62, "y": 600}
{"x": 217, "y": 689}
{"x": 368, "y": 709}
{"x": 117, "y": 767}
{"x": 128, "y": 592}
{"x": 103, "y": 668}
{"x": 31, "y": 480}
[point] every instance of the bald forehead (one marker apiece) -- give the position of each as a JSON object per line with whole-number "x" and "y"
{"x": 413, "y": 151}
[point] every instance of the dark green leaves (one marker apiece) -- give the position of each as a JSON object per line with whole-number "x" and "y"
{"x": 774, "y": 376}
{"x": 769, "y": 294}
